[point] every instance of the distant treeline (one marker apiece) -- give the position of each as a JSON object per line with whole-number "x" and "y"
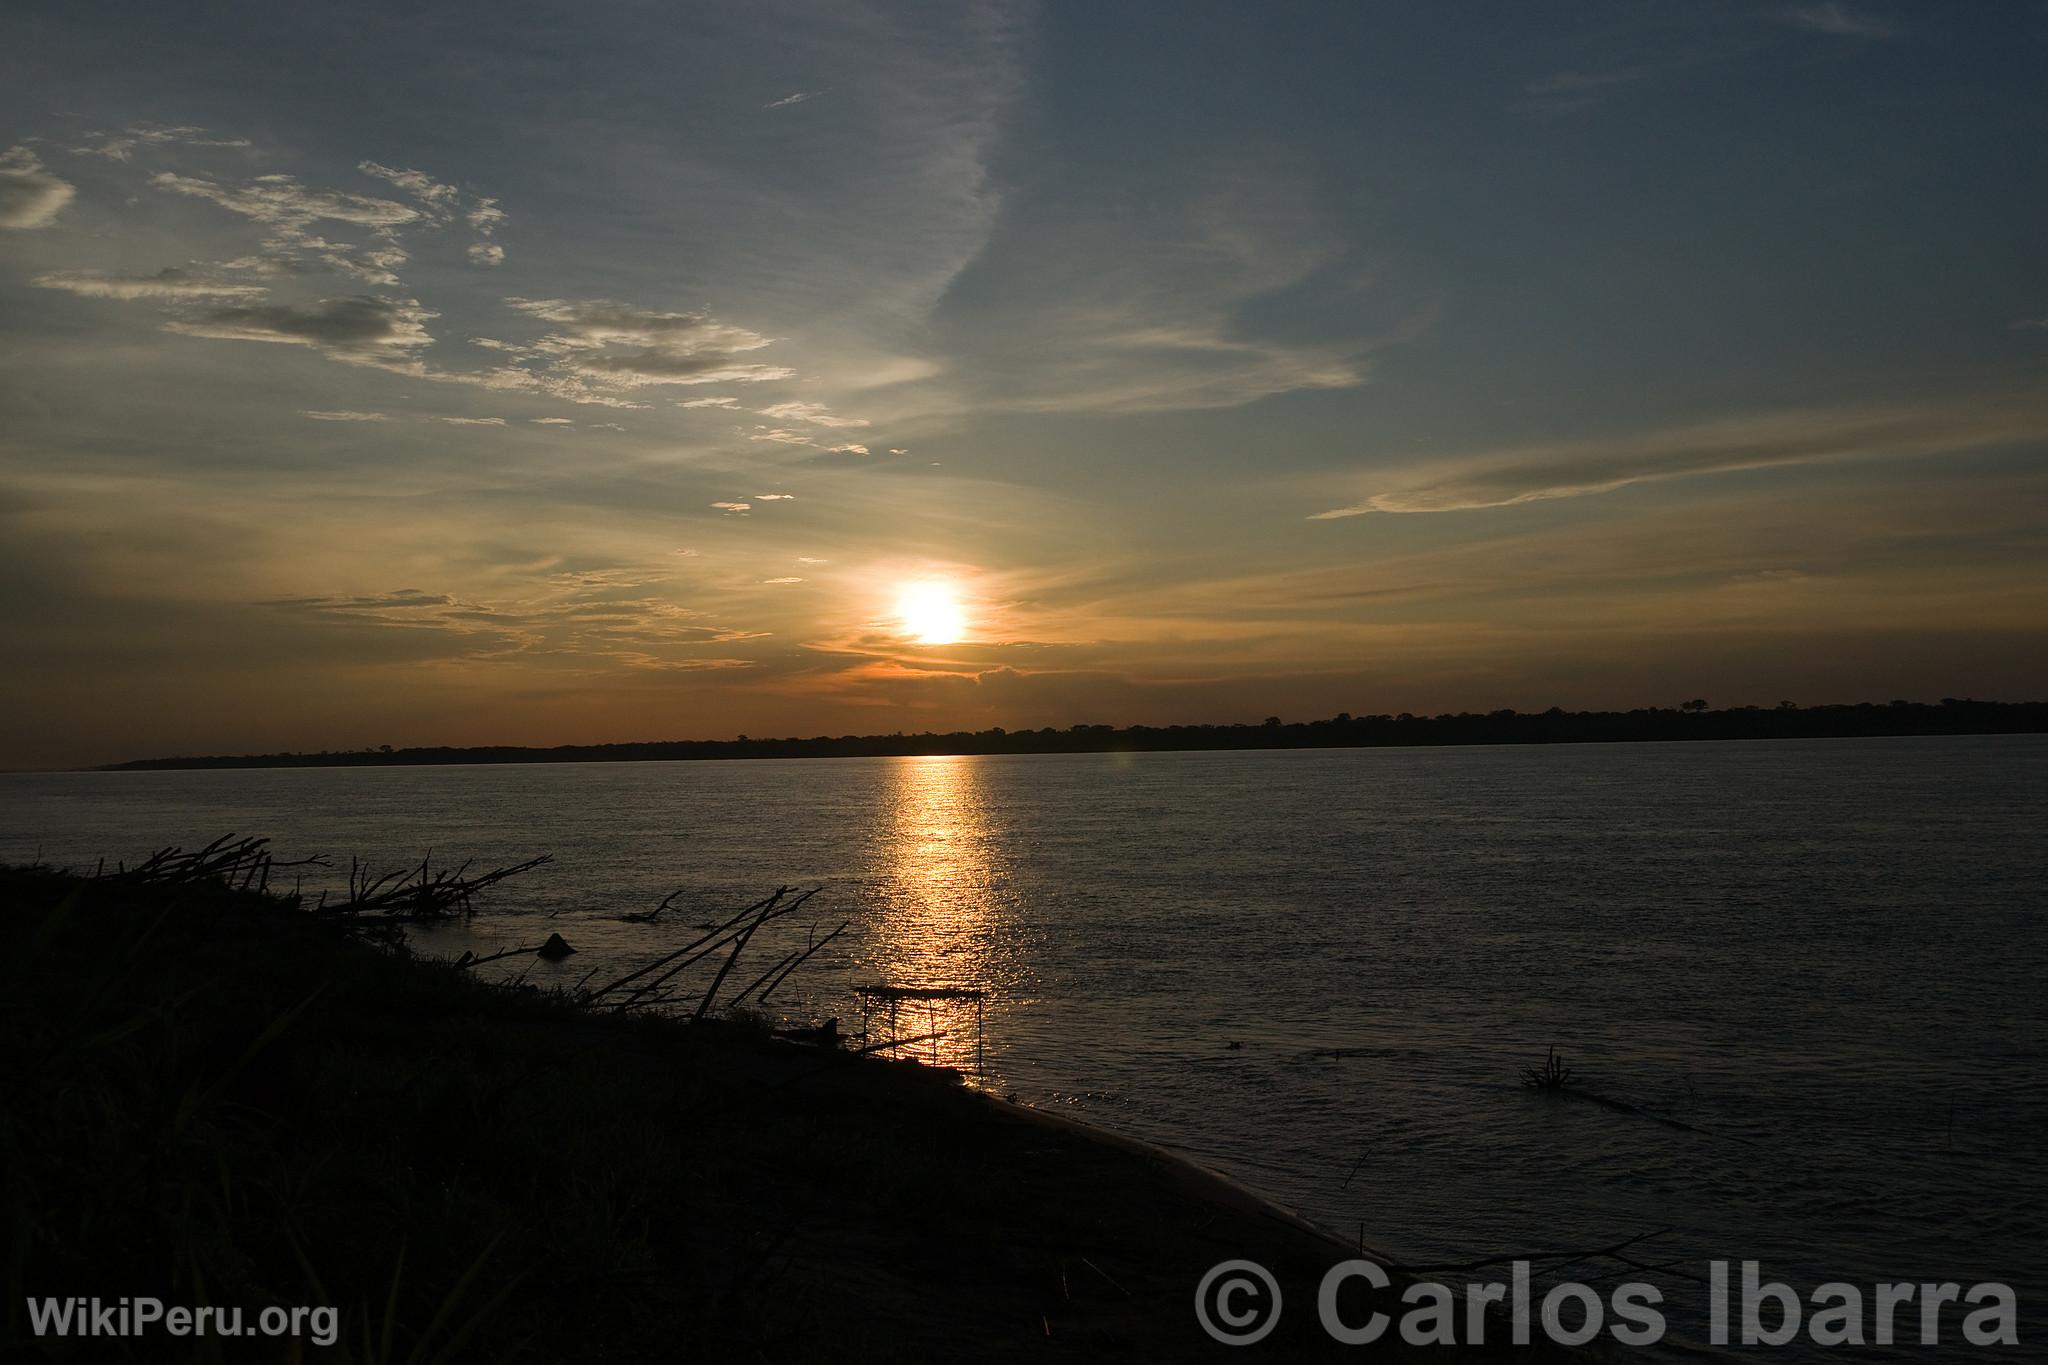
{"x": 1690, "y": 721}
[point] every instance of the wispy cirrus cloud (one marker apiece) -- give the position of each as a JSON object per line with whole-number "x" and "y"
{"x": 1840, "y": 20}
{"x": 122, "y": 145}
{"x": 576, "y": 621}
{"x": 608, "y": 344}
{"x": 817, "y": 414}
{"x": 1540, "y": 473}
{"x": 170, "y": 283}
{"x": 30, "y": 196}
{"x": 1568, "y": 91}
{"x": 1159, "y": 310}
{"x": 782, "y": 436}
{"x": 404, "y": 599}
{"x": 342, "y": 415}
{"x": 281, "y": 202}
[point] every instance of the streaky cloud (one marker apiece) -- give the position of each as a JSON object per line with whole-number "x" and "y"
{"x": 122, "y": 146}
{"x": 782, "y": 436}
{"x": 1541, "y": 473}
{"x": 1840, "y": 20}
{"x": 170, "y": 283}
{"x": 1168, "y": 310}
{"x": 609, "y": 345}
{"x": 817, "y": 414}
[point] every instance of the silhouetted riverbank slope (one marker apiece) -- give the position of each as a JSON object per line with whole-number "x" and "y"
{"x": 216, "y": 1098}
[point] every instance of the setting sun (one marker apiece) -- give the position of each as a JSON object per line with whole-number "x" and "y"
{"x": 931, "y": 614}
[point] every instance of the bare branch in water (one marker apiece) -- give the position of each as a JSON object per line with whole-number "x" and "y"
{"x": 420, "y": 896}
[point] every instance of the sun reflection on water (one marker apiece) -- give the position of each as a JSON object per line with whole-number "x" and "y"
{"x": 942, "y": 888}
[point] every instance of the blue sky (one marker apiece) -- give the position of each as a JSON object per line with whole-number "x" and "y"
{"x": 512, "y": 374}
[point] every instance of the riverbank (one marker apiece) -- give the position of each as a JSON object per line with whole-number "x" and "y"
{"x": 217, "y": 1099}
{"x": 1692, "y": 722}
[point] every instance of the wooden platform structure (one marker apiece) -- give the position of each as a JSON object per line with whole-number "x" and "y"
{"x": 876, "y": 998}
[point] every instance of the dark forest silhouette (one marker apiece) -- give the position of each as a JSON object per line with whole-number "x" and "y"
{"x": 1689, "y": 721}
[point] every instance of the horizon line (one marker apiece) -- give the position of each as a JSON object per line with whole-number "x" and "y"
{"x": 1340, "y": 730}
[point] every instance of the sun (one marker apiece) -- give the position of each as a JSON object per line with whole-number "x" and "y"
{"x": 931, "y": 613}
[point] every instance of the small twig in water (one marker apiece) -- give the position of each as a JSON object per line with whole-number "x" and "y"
{"x": 1555, "y": 1075}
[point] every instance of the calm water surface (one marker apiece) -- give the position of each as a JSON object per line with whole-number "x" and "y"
{"x": 1824, "y": 957}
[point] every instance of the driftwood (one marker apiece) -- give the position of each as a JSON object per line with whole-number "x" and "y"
{"x": 416, "y": 896}
{"x": 647, "y": 986}
{"x": 650, "y": 916}
{"x": 381, "y": 905}
{"x": 783, "y": 974}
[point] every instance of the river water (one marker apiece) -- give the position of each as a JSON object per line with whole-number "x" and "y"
{"x": 1321, "y": 972}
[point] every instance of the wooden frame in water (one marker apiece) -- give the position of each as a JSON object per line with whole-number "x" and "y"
{"x": 873, "y": 997}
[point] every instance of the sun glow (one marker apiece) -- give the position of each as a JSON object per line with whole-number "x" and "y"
{"x": 931, "y": 614}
